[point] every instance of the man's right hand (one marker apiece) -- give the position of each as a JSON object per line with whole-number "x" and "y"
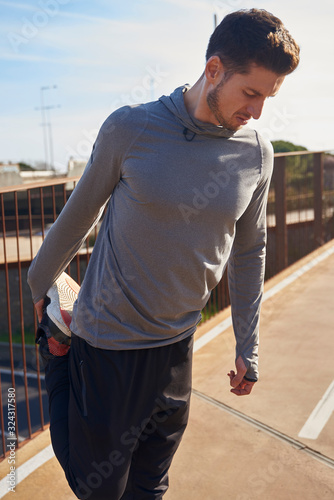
{"x": 39, "y": 306}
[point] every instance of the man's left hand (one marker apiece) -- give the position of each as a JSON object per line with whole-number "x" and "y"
{"x": 241, "y": 386}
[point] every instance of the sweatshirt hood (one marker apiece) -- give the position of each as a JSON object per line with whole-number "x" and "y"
{"x": 175, "y": 104}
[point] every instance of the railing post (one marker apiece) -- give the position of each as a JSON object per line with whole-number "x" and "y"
{"x": 280, "y": 213}
{"x": 318, "y": 171}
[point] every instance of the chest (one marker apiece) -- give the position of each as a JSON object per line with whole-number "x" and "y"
{"x": 206, "y": 177}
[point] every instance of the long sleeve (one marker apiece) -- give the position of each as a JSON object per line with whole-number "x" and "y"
{"x": 81, "y": 212}
{"x": 151, "y": 272}
{"x": 246, "y": 270}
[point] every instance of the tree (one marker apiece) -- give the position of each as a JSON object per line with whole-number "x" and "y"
{"x": 286, "y": 147}
{"x": 25, "y": 166}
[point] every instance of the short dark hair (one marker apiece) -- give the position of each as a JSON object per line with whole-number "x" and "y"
{"x": 254, "y": 36}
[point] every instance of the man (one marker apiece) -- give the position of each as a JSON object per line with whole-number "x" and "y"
{"x": 187, "y": 188}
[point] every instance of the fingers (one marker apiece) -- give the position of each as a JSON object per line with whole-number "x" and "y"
{"x": 240, "y": 386}
{"x": 243, "y": 389}
{"x": 237, "y": 378}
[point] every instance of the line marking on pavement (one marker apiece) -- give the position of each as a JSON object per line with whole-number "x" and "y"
{"x": 296, "y": 274}
{"x": 266, "y": 428}
{"x": 319, "y": 416}
{"x": 18, "y": 373}
{"x": 213, "y": 333}
{"x": 27, "y": 468}
{"x": 8, "y": 436}
{"x": 40, "y": 458}
{"x": 224, "y": 325}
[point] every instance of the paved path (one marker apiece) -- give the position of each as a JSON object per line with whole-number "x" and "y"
{"x": 230, "y": 455}
{"x": 248, "y": 448}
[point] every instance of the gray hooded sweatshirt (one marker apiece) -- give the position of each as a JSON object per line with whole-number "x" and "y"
{"x": 184, "y": 199}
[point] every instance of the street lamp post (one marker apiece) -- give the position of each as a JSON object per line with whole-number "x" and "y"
{"x": 48, "y": 125}
{"x": 47, "y": 130}
{"x": 45, "y": 140}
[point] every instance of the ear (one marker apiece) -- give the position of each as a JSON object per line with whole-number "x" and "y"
{"x": 214, "y": 69}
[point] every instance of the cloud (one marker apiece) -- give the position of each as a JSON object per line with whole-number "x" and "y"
{"x": 56, "y": 9}
{"x": 17, "y": 6}
{"x": 98, "y": 53}
{"x": 193, "y": 4}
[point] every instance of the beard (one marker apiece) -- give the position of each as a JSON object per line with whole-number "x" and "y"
{"x": 213, "y": 103}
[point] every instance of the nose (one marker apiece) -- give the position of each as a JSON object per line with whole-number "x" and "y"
{"x": 255, "y": 109}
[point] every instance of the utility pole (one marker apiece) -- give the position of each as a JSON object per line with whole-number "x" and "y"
{"x": 46, "y": 126}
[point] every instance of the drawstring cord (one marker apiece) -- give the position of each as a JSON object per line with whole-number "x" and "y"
{"x": 185, "y": 132}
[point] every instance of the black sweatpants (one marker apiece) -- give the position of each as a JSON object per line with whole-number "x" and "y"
{"x": 117, "y": 417}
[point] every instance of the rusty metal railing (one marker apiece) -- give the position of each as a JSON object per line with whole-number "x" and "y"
{"x": 300, "y": 208}
{"x": 26, "y": 212}
{"x": 299, "y": 219}
{"x": 300, "y": 215}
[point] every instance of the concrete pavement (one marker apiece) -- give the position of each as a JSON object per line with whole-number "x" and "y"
{"x": 225, "y": 456}
{"x": 248, "y": 448}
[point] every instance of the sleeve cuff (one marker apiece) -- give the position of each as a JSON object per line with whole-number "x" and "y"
{"x": 250, "y": 379}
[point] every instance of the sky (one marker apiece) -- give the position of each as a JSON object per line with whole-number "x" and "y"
{"x": 80, "y": 60}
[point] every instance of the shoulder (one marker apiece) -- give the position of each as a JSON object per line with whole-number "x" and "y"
{"x": 267, "y": 150}
{"x": 257, "y": 149}
{"x": 267, "y": 157}
{"x": 125, "y": 120}
{"x": 255, "y": 140}
{"x": 121, "y": 128}
{"x": 255, "y": 145}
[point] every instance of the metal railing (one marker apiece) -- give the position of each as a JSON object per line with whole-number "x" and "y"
{"x": 300, "y": 218}
{"x": 27, "y": 211}
{"x": 300, "y": 215}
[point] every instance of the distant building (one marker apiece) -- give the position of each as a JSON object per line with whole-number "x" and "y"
{"x": 36, "y": 175}
{"x": 76, "y": 167}
{"x": 10, "y": 174}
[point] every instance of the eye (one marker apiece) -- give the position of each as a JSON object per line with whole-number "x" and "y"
{"x": 249, "y": 94}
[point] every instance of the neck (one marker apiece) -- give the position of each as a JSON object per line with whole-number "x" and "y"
{"x": 196, "y": 103}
